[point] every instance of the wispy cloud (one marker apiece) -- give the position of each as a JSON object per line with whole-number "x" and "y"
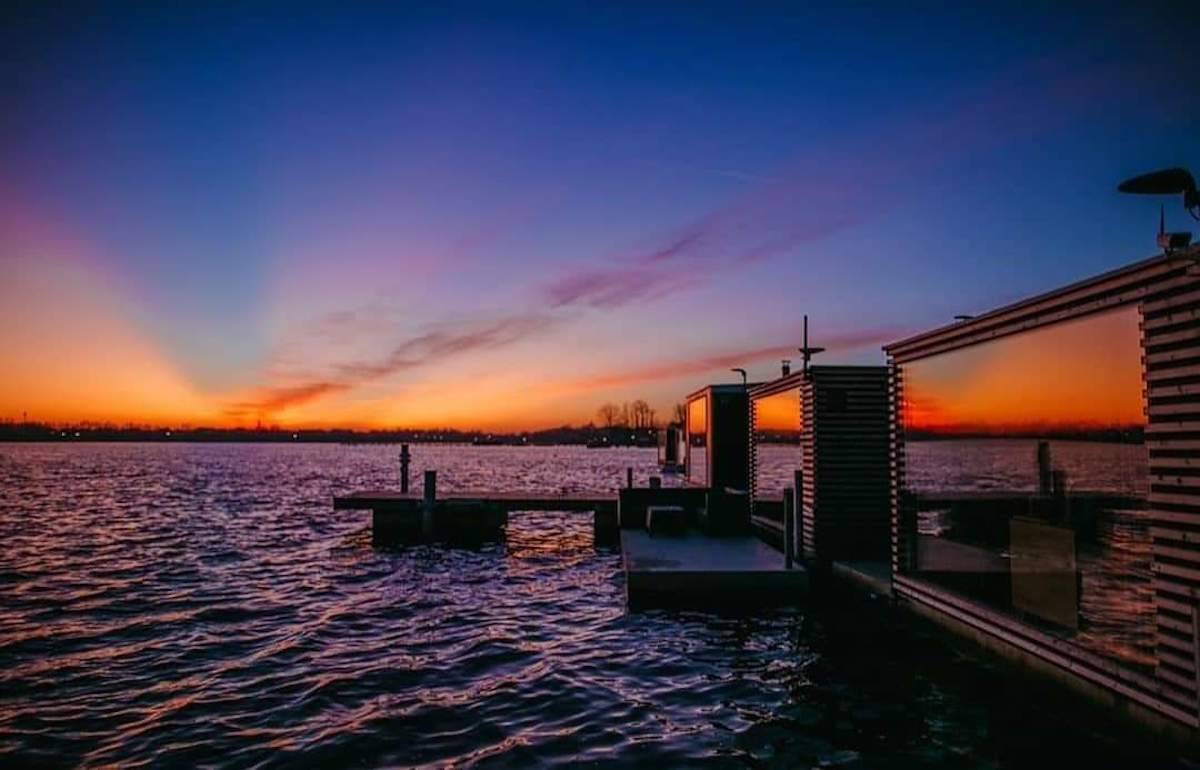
{"x": 673, "y": 369}
{"x": 820, "y": 192}
{"x": 436, "y": 343}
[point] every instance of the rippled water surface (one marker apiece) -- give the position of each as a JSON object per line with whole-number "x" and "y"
{"x": 181, "y": 605}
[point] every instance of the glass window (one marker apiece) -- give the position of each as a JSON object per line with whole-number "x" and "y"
{"x": 1026, "y": 477}
{"x": 697, "y": 442}
{"x": 777, "y": 427}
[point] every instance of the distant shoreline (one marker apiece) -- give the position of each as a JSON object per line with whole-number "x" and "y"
{"x": 562, "y": 436}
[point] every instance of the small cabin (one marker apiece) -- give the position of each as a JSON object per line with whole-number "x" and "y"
{"x": 823, "y": 432}
{"x": 717, "y": 434}
{"x": 1046, "y": 496}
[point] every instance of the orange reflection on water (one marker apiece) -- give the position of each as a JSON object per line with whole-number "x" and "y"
{"x": 1079, "y": 375}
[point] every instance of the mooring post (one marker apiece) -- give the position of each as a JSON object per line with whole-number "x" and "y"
{"x": 1045, "y": 479}
{"x": 655, "y": 482}
{"x": 789, "y": 527}
{"x": 404, "y": 458}
{"x": 430, "y": 502}
{"x": 629, "y": 478}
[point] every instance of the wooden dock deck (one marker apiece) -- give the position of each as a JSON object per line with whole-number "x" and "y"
{"x": 696, "y": 570}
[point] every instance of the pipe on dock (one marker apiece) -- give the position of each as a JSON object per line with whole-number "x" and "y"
{"x": 404, "y": 460}
{"x": 629, "y": 478}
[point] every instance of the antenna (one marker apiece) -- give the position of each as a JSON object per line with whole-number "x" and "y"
{"x": 1168, "y": 181}
{"x": 807, "y": 352}
{"x": 1169, "y": 242}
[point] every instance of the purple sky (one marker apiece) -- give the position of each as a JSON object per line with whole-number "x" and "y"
{"x": 502, "y": 216}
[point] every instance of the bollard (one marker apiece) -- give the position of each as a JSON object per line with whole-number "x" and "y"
{"x": 1045, "y": 475}
{"x": 430, "y": 502}
{"x": 655, "y": 482}
{"x": 404, "y": 458}
{"x": 629, "y": 478}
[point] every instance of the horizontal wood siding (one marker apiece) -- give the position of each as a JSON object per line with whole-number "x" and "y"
{"x": 850, "y": 444}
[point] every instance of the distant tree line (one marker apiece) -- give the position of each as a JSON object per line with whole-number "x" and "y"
{"x": 637, "y": 415}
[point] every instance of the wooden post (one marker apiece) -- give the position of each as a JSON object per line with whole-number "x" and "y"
{"x": 1045, "y": 478}
{"x": 430, "y": 502}
{"x": 789, "y": 527}
{"x": 655, "y": 482}
{"x": 629, "y": 478}
{"x": 404, "y": 458}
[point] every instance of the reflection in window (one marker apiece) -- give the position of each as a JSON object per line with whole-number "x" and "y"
{"x": 1026, "y": 479}
{"x": 697, "y": 441}
{"x": 777, "y": 453}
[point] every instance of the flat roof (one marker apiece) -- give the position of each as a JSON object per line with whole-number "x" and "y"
{"x": 726, "y": 387}
{"x": 795, "y": 378}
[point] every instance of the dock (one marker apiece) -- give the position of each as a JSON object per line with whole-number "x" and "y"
{"x": 703, "y": 561}
{"x": 693, "y": 569}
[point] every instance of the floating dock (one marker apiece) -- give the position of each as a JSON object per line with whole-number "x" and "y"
{"x": 690, "y": 567}
{"x": 693, "y": 569}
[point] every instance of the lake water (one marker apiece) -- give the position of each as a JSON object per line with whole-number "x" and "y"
{"x": 174, "y": 605}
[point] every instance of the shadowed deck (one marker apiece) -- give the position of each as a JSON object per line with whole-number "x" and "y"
{"x": 697, "y": 570}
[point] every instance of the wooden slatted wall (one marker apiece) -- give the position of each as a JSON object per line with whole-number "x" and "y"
{"x": 849, "y": 439}
{"x": 1171, "y": 371}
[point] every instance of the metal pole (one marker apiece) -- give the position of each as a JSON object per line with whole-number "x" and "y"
{"x": 404, "y": 459}
{"x": 629, "y": 478}
{"x": 430, "y": 502}
{"x": 798, "y": 506}
{"x": 789, "y": 528}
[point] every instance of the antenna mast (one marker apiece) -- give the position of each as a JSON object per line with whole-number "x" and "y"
{"x": 807, "y": 352}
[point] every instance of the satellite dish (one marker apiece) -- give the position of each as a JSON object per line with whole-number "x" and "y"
{"x": 1167, "y": 181}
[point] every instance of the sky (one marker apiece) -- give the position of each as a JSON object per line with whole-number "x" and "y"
{"x": 501, "y": 216}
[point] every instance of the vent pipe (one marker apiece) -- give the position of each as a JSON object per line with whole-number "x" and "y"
{"x": 786, "y": 367}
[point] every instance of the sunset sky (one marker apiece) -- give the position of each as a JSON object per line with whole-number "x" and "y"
{"x": 503, "y": 216}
